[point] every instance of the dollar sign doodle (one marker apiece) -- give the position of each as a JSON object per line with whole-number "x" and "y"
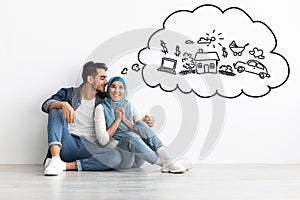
{"x": 163, "y": 45}
{"x": 177, "y": 51}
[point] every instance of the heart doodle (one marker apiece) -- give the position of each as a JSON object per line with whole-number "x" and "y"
{"x": 257, "y": 53}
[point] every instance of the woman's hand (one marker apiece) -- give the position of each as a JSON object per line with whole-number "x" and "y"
{"x": 118, "y": 116}
{"x": 122, "y": 110}
{"x": 127, "y": 122}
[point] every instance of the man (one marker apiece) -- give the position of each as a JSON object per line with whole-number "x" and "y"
{"x": 70, "y": 125}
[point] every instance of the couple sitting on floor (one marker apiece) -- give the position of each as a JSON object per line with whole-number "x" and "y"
{"x": 93, "y": 130}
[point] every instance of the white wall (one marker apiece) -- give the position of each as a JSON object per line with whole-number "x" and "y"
{"x": 44, "y": 44}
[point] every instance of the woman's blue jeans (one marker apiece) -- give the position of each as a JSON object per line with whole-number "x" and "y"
{"x": 88, "y": 156}
{"x": 138, "y": 146}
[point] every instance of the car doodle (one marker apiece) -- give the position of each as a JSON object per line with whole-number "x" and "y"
{"x": 252, "y": 66}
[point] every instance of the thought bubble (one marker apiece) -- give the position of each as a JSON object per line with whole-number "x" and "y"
{"x": 196, "y": 49}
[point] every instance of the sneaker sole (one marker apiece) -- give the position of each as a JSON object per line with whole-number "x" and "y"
{"x": 172, "y": 172}
{"x": 51, "y": 174}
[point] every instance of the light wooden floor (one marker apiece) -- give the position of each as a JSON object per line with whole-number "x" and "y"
{"x": 240, "y": 182}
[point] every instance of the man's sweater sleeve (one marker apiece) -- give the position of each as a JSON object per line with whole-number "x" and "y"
{"x": 61, "y": 95}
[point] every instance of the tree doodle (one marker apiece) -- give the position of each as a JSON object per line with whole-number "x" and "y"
{"x": 188, "y": 63}
{"x": 251, "y": 67}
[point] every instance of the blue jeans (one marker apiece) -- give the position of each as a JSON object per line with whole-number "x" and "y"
{"x": 138, "y": 146}
{"x": 88, "y": 156}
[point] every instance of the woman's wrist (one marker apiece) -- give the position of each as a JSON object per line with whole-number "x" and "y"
{"x": 118, "y": 121}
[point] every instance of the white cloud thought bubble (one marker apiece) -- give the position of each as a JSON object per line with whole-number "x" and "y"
{"x": 209, "y": 51}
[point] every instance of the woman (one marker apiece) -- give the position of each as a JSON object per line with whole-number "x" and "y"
{"x": 118, "y": 125}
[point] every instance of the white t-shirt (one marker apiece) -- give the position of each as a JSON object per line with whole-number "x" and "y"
{"x": 84, "y": 125}
{"x": 100, "y": 126}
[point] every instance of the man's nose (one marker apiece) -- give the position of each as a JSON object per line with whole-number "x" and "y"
{"x": 106, "y": 80}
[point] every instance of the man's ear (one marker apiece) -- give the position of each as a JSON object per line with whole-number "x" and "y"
{"x": 90, "y": 79}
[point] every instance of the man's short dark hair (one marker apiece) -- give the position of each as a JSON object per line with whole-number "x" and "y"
{"x": 90, "y": 69}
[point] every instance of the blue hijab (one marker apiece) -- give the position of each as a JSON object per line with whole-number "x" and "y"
{"x": 109, "y": 107}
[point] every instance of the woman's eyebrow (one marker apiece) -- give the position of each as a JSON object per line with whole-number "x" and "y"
{"x": 118, "y": 85}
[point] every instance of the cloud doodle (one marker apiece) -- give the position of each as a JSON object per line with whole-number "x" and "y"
{"x": 197, "y": 50}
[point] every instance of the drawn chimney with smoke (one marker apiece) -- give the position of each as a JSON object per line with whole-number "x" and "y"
{"x": 206, "y": 62}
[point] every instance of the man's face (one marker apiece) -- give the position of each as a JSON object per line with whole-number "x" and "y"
{"x": 100, "y": 80}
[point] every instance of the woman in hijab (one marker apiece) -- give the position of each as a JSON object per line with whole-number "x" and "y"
{"x": 118, "y": 125}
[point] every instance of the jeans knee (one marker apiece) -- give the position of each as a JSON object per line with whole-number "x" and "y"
{"x": 133, "y": 138}
{"x": 140, "y": 123}
{"x": 56, "y": 112}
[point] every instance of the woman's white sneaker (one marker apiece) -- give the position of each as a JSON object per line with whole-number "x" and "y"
{"x": 185, "y": 162}
{"x": 173, "y": 167}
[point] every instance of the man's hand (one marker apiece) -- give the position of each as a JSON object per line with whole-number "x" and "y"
{"x": 68, "y": 111}
{"x": 149, "y": 120}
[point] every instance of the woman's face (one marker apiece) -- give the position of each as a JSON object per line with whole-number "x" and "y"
{"x": 116, "y": 91}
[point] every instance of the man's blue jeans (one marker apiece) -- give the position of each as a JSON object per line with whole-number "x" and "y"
{"x": 139, "y": 146}
{"x": 88, "y": 156}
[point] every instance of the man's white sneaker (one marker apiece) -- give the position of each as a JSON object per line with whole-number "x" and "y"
{"x": 172, "y": 167}
{"x": 47, "y": 162}
{"x": 55, "y": 167}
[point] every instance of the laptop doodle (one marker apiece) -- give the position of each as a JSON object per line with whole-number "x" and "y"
{"x": 168, "y": 65}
